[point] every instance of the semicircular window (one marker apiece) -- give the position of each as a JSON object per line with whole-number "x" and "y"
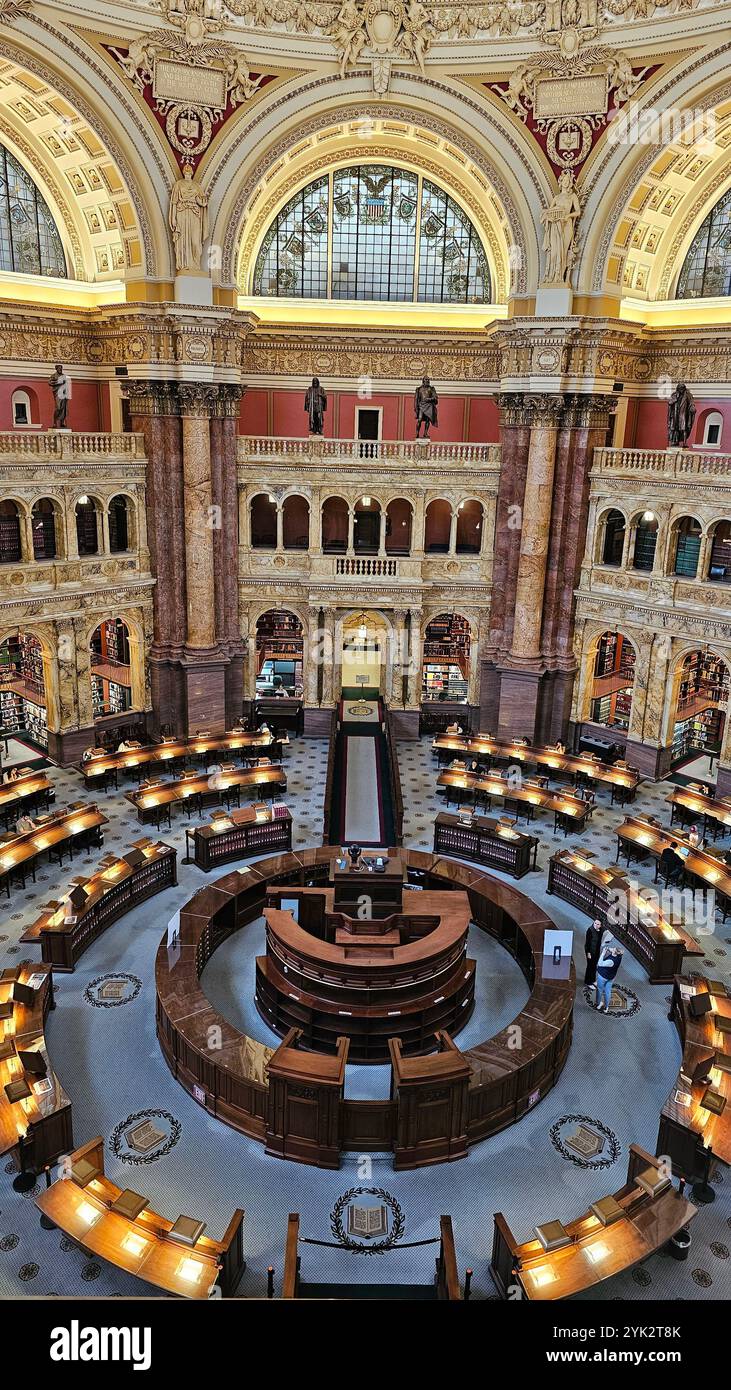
{"x": 373, "y": 232}
{"x": 706, "y": 270}
{"x": 30, "y": 243}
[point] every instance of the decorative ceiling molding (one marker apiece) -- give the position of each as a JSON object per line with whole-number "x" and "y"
{"x": 190, "y": 85}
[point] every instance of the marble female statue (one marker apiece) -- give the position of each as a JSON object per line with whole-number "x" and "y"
{"x": 61, "y": 387}
{"x": 559, "y": 223}
{"x": 188, "y": 221}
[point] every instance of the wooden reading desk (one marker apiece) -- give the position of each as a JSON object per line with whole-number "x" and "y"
{"x": 241, "y": 834}
{"x": 33, "y": 788}
{"x": 614, "y": 1235}
{"x": 716, "y": 811}
{"x": 144, "y": 1244}
{"x": 623, "y": 780}
{"x": 659, "y": 942}
{"x": 638, "y": 834}
{"x": 570, "y": 812}
{"x": 39, "y": 1122}
{"x": 154, "y": 800}
{"x": 65, "y": 928}
{"x": 55, "y": 833}
{"x": 484, "y": 840}
{"x": 689, "y": 1131}
{"x": 102, "y": 766}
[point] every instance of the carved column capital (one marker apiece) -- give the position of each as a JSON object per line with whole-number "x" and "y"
{"x": 583, "y": 411}
{"x": 545, "y": 410}
{"x": 151, "y": 397}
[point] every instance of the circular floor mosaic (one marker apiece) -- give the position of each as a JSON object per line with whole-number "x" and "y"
{"x": 368, "y": 1220}
{"x": 145, "y": 1136}
{"x": 585, "y": 1141}
{"x": 112, "y": 991}
{"x": 623, "y": 1003}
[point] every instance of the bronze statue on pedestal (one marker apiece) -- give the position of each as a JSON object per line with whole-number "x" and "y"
{"x": 316, "y": 405}
{"x": 681, "y": 414}
{"x": 426, "y": 402}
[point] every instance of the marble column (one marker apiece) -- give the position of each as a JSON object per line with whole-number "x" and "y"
{"x": 515, "y": 417}
{"x": 453, "y": 532}
{"x": 327, "y": 649}
{"x": 224, "y": 425}
{"x": 520, "y": 676}
{"x": 415, "y": 658}
{"x": 154, "y": 411}
{"x": 312, "y": 656}
{"x": 102, "y": 521}
{"x": 398, "y": 662}
{"x": 583, "y": 427}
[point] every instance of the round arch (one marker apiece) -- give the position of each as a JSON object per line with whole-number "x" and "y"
{"x": 626, "y": 182}
{"x": 284, "y": 140}
{"x": 105, "y": 110}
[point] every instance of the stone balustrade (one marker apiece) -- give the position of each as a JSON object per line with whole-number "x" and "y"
{"x": 70, "y": 444}
{"x": 669, "y": 463}
{"x": 410, "y": 453}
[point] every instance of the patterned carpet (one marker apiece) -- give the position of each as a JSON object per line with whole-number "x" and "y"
{"x": 620, "y": 1071}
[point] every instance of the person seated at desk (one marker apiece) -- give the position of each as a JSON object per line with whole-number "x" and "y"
{"x": 126, "y": 746}
{"x": 6, "y": 775}
{"x": 11, "y": 774}
{"x": 671, "y": 863}
{"x": 214, "y": 770}
{"x": 25, "y": 824}
{"x": 695, "y": 839}
{"x": 454, "y": 729}
{"x": 264, "y": 728}
{"x": 560, "y": 747}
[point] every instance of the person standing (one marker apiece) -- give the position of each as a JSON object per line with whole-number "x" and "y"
{"x": 592, "y": 947}
{"x": 606, "y": 973}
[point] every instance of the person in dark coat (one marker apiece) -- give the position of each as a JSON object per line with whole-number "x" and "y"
{"x": 592, "y": 943}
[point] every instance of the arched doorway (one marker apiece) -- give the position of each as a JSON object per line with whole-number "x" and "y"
{"x": 279, "y": 653}
{"x": 446, "y": 663}
{"x": 701, "y": 706}
{"x": 613, "y": 681}
{"x": 364, "y": 666}
{"x": 23, "y": 689}
{"x": 111, "y": 668}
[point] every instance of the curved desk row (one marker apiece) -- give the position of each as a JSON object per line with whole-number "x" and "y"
{"x": 638, "y": 836}
{"x": 292, "y": 1100}
{"x": 57, "y": 834}
{"x": 616, "y": 1233}
{"x": 35, "y": 1112}
{"x": 688, "y": 804}
{"x": 695, "y": 1122}
{"x": 623, "y": 780}
{"x": 67, "y": 927}
{"x": 101, "y": 766}
{"x": 659, "y": 943}
{"x": 119, "y": 1226}
{"x": 569, "y": 812}
{"x": 32, "y": 789}
{"x": 155, "y": 799}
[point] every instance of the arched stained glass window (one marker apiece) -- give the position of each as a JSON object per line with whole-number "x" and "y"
{"x": 706, "y": 270}
{"x": 29, "y": 239}
{"x": 373, "y": 232}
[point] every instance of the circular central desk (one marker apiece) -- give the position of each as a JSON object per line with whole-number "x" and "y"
{"x": 293, "y": 1099}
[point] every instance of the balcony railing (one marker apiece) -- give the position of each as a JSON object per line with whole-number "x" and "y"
{"x": 373, "y": 566}
{"x": 410, "y": 452}
{"x": 71, "y": 444}
{"x": 673, "y": 463}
